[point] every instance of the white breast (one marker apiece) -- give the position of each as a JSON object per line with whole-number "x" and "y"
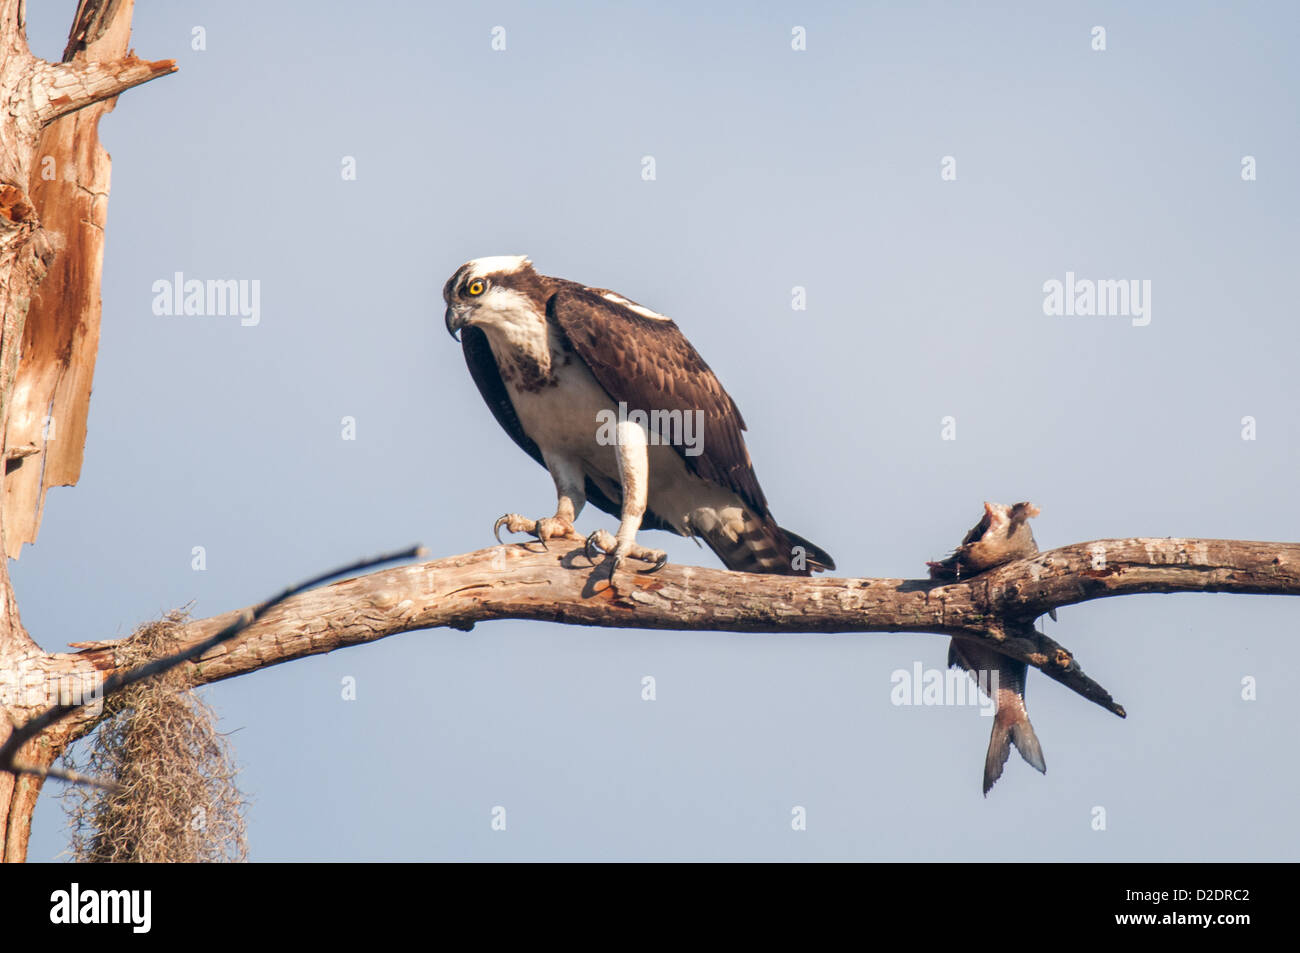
{"x": 563, "y": 415}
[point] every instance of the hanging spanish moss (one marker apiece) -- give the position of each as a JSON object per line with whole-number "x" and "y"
{"x": 175, "y": 798}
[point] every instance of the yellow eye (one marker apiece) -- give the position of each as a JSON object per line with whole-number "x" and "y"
{"x": 476, "y": 287}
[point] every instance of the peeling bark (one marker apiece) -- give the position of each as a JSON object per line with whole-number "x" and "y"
{"x": 52, "y": 215}
{"x": 69, "y": 184}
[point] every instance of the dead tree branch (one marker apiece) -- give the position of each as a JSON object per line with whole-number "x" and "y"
{"x": 124, "y": 678}
{"x": 62, "y": 88}
{"x": 513, "y": 582}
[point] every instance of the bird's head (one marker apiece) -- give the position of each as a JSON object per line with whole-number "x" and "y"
{"x": 491, "y": 291}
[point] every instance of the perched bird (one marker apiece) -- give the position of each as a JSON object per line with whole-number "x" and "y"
{"x": 612, "y": 399}
{"x": 1001, "y": 536}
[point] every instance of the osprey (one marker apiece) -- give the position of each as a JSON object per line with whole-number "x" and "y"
{"x": 612, "y": 399}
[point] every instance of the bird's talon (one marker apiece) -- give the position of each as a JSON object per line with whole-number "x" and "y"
{"x": 514, "y": 523}
{"x": 659, "y": 564}
{"x": 590, "y": 545}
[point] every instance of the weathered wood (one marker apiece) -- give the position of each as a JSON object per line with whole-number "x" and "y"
{"x": 122, "y": 677}
{"x": 512, "y": 582}
{"x": 69, "y": 185}
{"x": 62, "y": 88}
{"x": 48, "y": 336}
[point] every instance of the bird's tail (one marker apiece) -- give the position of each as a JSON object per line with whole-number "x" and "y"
{"x": 763, "y": 547}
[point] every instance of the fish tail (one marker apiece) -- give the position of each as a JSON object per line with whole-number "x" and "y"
{"x": 996, "y": 759}
{"x": 1026, "y": 742}
{"x": 1011, "y": 726}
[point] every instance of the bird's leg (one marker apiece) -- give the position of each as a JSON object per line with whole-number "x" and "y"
{"x": 571, "y": 495}
{"x": 634, "y": 474}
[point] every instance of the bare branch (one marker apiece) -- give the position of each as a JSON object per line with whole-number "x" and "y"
{"x": 61, "y": 88}
{"x": 123, "y": 679}
{"x": 72, "y": 777}
{"x": 512, "y": 582}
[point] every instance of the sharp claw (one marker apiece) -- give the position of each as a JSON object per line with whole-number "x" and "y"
{"x": 496, "y": 528}
{"x": 589, "y": 545}
{"x": 659, "y": 564}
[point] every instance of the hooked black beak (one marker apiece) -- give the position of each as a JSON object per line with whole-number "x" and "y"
{"x": 454, "y": 323}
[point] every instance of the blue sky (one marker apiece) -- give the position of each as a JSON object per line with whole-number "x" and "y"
{"x": 775, "y": 168}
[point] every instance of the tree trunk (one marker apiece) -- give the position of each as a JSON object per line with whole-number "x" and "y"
{"x": 54, "y": 179}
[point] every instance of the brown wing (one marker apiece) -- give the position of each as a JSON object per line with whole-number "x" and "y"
{"x": 649, "y": 364}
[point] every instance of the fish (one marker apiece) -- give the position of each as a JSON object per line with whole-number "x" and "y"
{"x": 1001, "y": 536}
{"x": 1011, "y": 725}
